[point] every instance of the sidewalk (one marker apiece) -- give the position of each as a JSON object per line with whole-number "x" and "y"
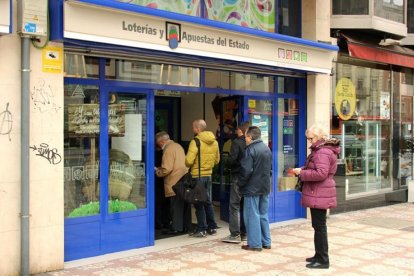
{"x": 377, "y": 241}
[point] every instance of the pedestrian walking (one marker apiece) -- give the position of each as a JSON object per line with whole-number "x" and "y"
{"x": 236, "y": 222}
{"x": 318, "y": 190}
{"x": 172, "y": 169}
{"x": 254, "y": 182}
{"x": 209, "y": 156}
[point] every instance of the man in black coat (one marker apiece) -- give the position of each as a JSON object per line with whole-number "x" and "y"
{"x": 236, "y": 221}
{"x": 254, "y": 183}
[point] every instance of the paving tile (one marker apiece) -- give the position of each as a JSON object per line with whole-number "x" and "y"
{"x": 360, "y": 243}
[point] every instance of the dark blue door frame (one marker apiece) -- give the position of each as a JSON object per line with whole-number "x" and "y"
{"x": 106, "y": 233}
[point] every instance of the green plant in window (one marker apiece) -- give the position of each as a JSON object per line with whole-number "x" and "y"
{"x": 92, "y": 208}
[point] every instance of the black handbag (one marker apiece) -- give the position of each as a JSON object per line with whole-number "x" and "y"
{"x": 190, "y": 189}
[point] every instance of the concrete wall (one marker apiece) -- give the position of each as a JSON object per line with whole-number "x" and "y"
{"x": 46, "y": 169}
{"x": 316, "y": 26}
{"x": 9, "y": 154}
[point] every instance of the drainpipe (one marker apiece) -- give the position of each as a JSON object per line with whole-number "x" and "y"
{"x": 24, "y": 155}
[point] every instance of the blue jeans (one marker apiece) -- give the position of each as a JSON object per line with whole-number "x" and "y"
{"x": 205, "y": 212}
{"x": 257, "y": 221}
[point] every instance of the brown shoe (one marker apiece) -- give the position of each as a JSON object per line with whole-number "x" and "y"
{"x": 267, "y": 246}
{"x": 246, "y": 247}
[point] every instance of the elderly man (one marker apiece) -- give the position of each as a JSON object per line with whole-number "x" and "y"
{"x": 209, "y": 157}
{"x": 172, "y": 169}
{"x": 254, "y": 183}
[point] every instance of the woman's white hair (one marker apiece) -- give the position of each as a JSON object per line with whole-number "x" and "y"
{"x": 319, "y": 131}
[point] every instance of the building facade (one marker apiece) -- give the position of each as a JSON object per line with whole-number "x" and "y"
{"x": 372, "y": 99}
{"x": 112, "y": 73}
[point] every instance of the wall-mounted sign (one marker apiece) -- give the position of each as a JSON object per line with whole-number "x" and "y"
{"x": 52, "y": 59}
{"x": 345, "y": 99}
{"x": 94, "y": 23}
{"x": 83, "y": 120}
{"x": 5, "y": 18}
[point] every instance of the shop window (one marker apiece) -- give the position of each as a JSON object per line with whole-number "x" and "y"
{"x": 259, "y": 15}
{"x": 138, "y": 71}
{"x": 288, "y": 85}
{"x": 289, "y": 23}
{"x": 80, "y": 66}
{"x": 178, "y": 6}
{"x": 350, "y": 7}
{"x": 239, "y": 81}
{"x": 361, "y": 119}
{"x": 390, "y": 9}
{"x": 127, "y": 147}
{"x": 403, "y": 126}
{"x": 288, "y": 154}
{"x": 81, "y": 145}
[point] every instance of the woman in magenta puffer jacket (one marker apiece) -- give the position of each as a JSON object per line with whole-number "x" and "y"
{"x": 318, "y": 191}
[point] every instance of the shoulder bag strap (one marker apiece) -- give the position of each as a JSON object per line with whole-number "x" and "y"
{"x": 197, "y": 141}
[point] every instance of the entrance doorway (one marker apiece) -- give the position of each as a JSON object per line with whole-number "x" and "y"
{"x": 175, "y": 112}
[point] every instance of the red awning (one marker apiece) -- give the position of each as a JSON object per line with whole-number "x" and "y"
{"x": 396, "y": 55}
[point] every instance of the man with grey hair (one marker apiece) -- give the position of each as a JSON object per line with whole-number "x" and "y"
{"x": 254, "y": 183}
{"x": 172, "y": 169}
{"x": 209, "y": 154}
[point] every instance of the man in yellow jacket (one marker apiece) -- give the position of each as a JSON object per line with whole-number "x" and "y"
{"x": 172, "y": 169}
{"x": 209, "y": 157}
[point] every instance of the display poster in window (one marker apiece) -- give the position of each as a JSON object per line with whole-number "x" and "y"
{"x": 293, "y": 107}
{"x": 288, "y": 139}
{"x": 345, "y": 99}
{"x": 385, "y": 105}
{"x": 131, "y": 142}
{"x": 262, "y": 122}
{"x": 83, "y": 120}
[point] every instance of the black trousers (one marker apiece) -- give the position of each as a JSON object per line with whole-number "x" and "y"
{"x": 320, "y": 238}
{"x": 180, "y": 214}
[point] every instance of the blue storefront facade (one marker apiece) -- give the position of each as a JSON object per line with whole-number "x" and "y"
{"x": 132, "y": 70}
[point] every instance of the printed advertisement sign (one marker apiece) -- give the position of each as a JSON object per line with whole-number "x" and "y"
{"x": 345, "y": 99}
{"x": 83, "y": 120}
{"x": 94, "y": 23}
{"x": 262, "y": 122}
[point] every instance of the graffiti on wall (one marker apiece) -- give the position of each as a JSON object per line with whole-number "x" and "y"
{"x": 6, "y": 122}
{"x": 43, "y": 97}
{"x": 50, "y": 154}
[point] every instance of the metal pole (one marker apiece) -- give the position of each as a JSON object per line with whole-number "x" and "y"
{"x": 24, "y": 153}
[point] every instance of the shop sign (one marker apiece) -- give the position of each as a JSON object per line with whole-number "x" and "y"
{"x": 345, "y": 99}
{"x": 94, "y": 23}
{"x": 83, "y": 120}
{"x": 5, "y": 23}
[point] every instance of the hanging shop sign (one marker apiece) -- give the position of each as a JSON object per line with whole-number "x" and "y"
{"x": 83, "y": 120}
{"x": 108, "y": 25}
{"x": 345, "y": 99}
{"x": 5, "y": 18}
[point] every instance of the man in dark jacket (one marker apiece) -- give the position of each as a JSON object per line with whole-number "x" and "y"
{"x": 254, "y": 183}
{"x": 236, "y": 221}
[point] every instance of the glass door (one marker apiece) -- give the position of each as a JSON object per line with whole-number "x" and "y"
{"x": 107, "y": 161}
{"x": 126, "y": 169}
